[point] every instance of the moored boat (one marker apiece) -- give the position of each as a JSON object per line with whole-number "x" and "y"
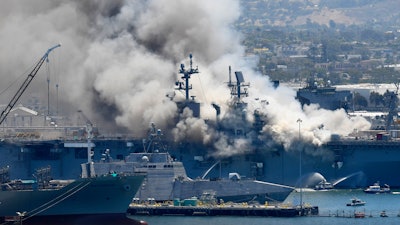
{"x": 63, "y": 201}
{"x": 167, "y": 180}
{"x": 383, "y": 214}
{"x": 359, "y": 215}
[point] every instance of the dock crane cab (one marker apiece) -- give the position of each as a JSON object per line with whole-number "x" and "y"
{"x": 25, "y": 84}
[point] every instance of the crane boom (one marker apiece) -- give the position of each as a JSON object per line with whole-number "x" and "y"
{"x": 25, "y": 84}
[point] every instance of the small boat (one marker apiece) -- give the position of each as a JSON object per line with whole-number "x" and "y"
{"x": 356, "y": 202}
{"x": 376, "y": 189}
{"x": 383, "y": 214}
{"x": 359, "y": 214}
{"x": 323, "y": 185}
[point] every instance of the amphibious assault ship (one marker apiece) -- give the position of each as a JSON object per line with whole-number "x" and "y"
{"x": 355, "y": 161}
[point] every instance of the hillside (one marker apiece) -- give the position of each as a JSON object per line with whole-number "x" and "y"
{"x": 383, "y": 14}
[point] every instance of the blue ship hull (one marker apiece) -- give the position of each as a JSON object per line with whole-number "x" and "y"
{"x": 344, "y": 163}
{"x": 92, "y": 219}
{"x": 86, "y": 196}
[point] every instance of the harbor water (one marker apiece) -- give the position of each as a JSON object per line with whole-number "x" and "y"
{"x": 332, "y": 210}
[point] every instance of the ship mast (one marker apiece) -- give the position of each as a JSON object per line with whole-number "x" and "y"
{"x": 185, "y": 85}
{"x": 186, "y": 76}
{"x": 238, "y": 89}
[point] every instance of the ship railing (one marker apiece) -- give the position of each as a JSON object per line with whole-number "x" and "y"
{"x": 70, "y": 133}
{"x": 123, "y": 174}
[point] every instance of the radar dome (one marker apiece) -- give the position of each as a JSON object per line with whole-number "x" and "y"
{"x": 145, "y": 158}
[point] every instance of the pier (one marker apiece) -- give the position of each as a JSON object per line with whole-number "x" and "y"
{"x": 222, "y": 210}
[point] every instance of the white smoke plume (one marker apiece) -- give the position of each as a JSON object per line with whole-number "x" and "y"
{"x": 119, "y": 59}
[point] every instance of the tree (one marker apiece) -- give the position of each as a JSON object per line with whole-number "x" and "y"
{"x": 359, "y": 101}
{"x": 355, "y": 76}
{"x": 390, "y": 99}
{"x": 376, "y": 98}
{"x": 313, "y": 53}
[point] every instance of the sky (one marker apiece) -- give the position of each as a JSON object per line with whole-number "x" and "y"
{"x": 119, "y": 59}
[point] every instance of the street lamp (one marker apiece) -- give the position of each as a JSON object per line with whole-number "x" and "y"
{"x": 301, "y": 189}
{"x": 21, "y": 216}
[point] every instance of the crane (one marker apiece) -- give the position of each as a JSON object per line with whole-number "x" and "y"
{"x": 25, "y": 84}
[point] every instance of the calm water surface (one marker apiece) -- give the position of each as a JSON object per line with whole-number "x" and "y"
{"x": 330, "y": 203}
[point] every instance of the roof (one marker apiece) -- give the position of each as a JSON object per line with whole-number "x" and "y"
{"x": 24, "y": 110}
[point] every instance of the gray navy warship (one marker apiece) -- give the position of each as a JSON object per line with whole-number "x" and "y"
{"x": 166, "y": 179}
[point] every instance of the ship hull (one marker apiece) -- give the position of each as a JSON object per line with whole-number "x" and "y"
{"x": 89, "y": 196}
{"x": 356, "y": 163}
{"x": 167, "y": 180}
{"x": 346, "y": 164}
{"x": 235, "y": 191}
{"x": 92, "y": 219}
{"x": 225, "y": 190}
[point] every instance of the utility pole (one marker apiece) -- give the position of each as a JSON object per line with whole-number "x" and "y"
{"x": 301, "y": 183}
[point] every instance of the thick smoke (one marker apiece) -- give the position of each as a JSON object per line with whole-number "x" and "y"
{"x": 119, "y": 59}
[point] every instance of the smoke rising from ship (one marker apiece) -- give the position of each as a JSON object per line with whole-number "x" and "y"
{"x": 119, "y": 59}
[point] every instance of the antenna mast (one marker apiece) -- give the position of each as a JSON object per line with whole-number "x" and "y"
{"x": 186, "y": 77}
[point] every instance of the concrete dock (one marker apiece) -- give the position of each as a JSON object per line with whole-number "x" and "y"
{"x": 222, "y": 210}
